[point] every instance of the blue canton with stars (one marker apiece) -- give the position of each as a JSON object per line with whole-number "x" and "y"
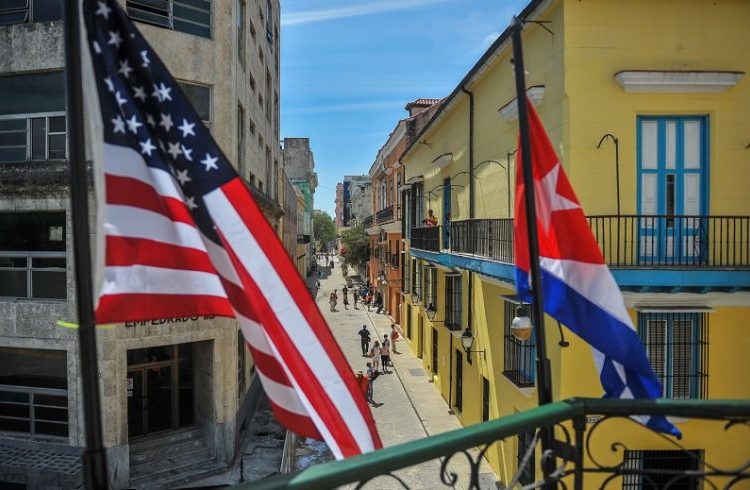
{"x": 143, "y": 108}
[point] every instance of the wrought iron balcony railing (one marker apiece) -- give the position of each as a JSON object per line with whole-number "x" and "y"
{"x": 596, "y": 445}
{"x": 491, "y": 238}
{"x": 426, "y": 238}
{"x": 625, "y": 240}
{"x": 680, "y": 241}
{"x": 368, "y": 222}
{"x": 385, "y": 215}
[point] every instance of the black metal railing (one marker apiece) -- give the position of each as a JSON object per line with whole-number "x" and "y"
{"x": 681, "y": 241}
{"x": 491, "y": 238}
{"x": 385, "y": 215}
{"x": 369, "y": 221}
{"x": 426, "y": 238}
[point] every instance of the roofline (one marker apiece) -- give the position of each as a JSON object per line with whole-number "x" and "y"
{"x": 530, "y": 8}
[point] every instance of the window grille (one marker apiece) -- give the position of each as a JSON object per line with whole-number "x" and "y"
{"x": 416, "y": 278}
{"x": 660, "y": 468}
{"x": 27, "y": 11}
{"x": 677, "y": 347}
{"x": 435, "y": 351}
{"x": 190, "y": 16}
{"x": 453, "y": 300}
{"x": 430, "y": 286}
{"x": 520, "y": 355}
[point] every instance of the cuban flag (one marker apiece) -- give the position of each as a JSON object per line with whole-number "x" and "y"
{"x": 578, "y": 288}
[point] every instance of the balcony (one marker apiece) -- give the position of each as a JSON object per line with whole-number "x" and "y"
{"x": 426, "y": 238}
{"x": 385, "y": 215}
{"x": 368, "y": 222}
{"x": 492, "y": 238}
{"x": 594, "y": 444}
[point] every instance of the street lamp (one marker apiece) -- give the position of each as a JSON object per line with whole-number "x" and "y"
{"x": 431, "y": 311}
{"x": 521, "y": 325}
{"x": 467, "y": 340}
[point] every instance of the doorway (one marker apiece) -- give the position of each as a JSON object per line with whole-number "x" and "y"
{"x": 672, "y": 163}
{"x": 159, "y": 389}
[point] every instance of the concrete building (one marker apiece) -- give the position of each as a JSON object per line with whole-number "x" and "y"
{"x": 650, "y": 126}
{"x": 291, "y": 220}
{"x": 299, "y": 164}
{"x": 384, "y": 224}
{"x": 339, "y": 205}
{"x": 185, "y": 384}
{"x": 354, "y": 201}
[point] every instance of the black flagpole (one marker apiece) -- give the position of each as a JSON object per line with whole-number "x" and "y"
{"x": 94, "y": 458}
{"x": 543, "y": 371}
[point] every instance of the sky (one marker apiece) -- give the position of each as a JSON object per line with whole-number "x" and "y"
{"x": 348, "y": 68}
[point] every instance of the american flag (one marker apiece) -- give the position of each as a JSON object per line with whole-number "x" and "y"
{"x": 183, "y": 236}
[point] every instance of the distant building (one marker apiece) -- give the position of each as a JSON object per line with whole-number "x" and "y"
{"x": 353, "y": 200}
{"x": 339, "y": 205}
{"x": 299, "y": 164}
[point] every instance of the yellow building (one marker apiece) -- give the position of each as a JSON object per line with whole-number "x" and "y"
{"x": 646, "y": 103}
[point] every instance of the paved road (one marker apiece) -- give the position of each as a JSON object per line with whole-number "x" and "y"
{"x": 408, "y": 406}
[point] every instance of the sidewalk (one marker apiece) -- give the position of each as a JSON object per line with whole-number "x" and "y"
{"x": 408, "y": 406}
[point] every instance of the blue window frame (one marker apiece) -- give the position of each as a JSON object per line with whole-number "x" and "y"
{"x": 677, "y": 347}
{"x": 672, "y": 188}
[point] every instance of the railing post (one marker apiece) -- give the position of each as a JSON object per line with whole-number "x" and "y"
{"x": 579, "y": 426}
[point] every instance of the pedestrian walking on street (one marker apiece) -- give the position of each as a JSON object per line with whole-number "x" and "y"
{"x": 345, "y": 294}
{"x": 364, "y": 337}
{"x": 372, "y": 374}
{"x": 375, "y": 355}
{"x": 385, "y": 353}
{"x": 355, "y": 297}
{"x": 379, "y": 301}
{"x": 333, "y": 299}
{"x": 394, "y": 338}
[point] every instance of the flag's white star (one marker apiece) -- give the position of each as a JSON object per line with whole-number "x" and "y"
{"x": 103, "y": 10}
{"x": 110, "y": 85}
{"x": 174, "y": 149}
{"x": 156, "y": 93}
{"x": 97, "y": 48}
{"x": 119, "y": 124}
{"x": 166, "y": 122}
{"x": 139, "y": 93}
{"x": 164, "y": 92}
{"x": 115, "y": 38}
{"x": 144, "y": 57}
{"x": 210, "y": 162}
{"x": 120, "y": 100}
{"x": 150, "y": 120}
{"x": 133, "y": 124}
{"x": 125, "y": 68}
{"x": 146, "y": 147}
{"x": 182, "y": 176}
{"x": 186, "y": 128}
{"x": 548, "y": 200}
{"x": 187, "y": 152}
{"x": 190, "y": 201}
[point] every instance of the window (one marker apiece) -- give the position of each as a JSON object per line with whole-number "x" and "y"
{"x": 32, "y": 255}
{"x": 485, "y": 399}
{"x": 240, "y": 140}
{"x": 32, "y": 117}
{"x": 241, "y": 31}
{"x": 276, "y": 114}
{"x": 525, "y": 443}
{"x": 269, "y": 172}
{"x": 199, "y": 97}
{"x": 26, "y": 11}
{"x": 252, "y": 29}
{"x": 677, "y": 346}
{"x": 260, "y": 140}
{"x": 251, "y": 81}
{"x": 241, "y": 362}
{"x": 269, "y": 109}
{"x": 430, "y": 286}
{"x": 34, "y": 391}
{"x": 275, "y": 178}
{"x": 251, "y": 125}
{"x": 406, "y": 275}
{"x": 260, "y": 99}
{"x": 416, "y": 279}
{"x": 661, "y": 468}
{"x": 408, "y": 321}
{"x": 520, "y": 355}
{"x": 260, "y": 185}
{"x": 251, "y": 179}
{"x": 269, "y": 22}
{"x": 190, "y": 16}
{"x": 453, "y": 313}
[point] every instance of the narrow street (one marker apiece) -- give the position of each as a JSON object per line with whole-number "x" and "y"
{"x": 408, "y": 406}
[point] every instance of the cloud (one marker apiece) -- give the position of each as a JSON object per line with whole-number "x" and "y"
{"x": 355, "y": 106}
{"x": 487, "y": 42}
{"x": 310, "y": 16}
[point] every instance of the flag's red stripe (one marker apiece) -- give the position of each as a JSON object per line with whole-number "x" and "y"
{"x": 299, "y": 424}
{"x": 301, "y": 368}
{"x": 269, "y": 366}
{"x": 132, "y": 192}
{"x": 142, "y": 307}
{"x": 237, "y": 194}
{"x": 125, "y": 251}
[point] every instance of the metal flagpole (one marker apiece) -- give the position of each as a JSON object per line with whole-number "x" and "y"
{"x": 94, "y": 458}
{"x": 543, "y": 374}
